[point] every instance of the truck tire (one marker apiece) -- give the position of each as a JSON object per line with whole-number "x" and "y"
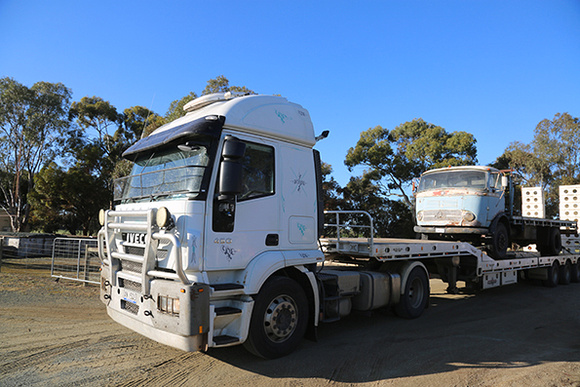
{"x": 552, "y": 245}
{"x": 279, "y": 318}
{"x": 499, "y": 242}
{"x": 415, "y": 296}
{"x": 575, "y": 272}
{"x": 565, "y": 273}
{"x": 553, "y": 275}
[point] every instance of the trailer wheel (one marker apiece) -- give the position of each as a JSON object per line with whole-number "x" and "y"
{"x": 499, "y": 242}
{"x": 575, "y": 272}
{"x": 553, "y": 275}
{"x": 416, "y": 295}
{"x": 565, "y": 273}
{"x": 279, "y": 319}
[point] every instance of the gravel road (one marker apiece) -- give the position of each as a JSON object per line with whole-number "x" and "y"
{"x": 58, "y": 333}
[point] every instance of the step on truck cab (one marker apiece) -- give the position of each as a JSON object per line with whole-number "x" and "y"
{"x": 476, "y": 204}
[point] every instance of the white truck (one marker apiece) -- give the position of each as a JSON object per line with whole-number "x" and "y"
{"x": 214, "y": 240}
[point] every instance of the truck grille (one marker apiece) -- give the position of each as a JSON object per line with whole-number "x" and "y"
{"x": 442, "y": 216}
{"x": 129, "y": 307}
{"x": 134, "y": 267}
{"x": 131, "y": 285}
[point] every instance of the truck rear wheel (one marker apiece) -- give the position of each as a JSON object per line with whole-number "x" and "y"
{"x": 553, "y": 275}
{"x": 279, "y": 318}
{"x": 552, "y": 244}
{"x": 416, "y": 295}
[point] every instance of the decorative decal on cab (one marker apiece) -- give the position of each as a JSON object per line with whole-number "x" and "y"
{"x": 299, "y": 182}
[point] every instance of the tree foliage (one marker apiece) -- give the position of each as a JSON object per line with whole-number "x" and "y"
{"x": 220, "y": 84}
{"x": 550, "y": 160}
{"x": 33, "y": 124}
{"x": 394, "y": 158}
{"x": 68, "y": 200}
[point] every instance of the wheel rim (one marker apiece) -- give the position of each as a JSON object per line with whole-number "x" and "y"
{"x": 416, "y": 293}
{"x": 281, "y": 318}
{"x": 502, "y": 242}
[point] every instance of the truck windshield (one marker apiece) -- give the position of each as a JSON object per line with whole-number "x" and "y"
{"x": 174, "y": 173}
{"x": 453, "y": 179}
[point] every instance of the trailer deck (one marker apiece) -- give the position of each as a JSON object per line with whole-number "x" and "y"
{"x": 492, "y": 272}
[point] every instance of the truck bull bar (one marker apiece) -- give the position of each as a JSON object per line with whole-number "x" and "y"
{"x": 110, "y": 239}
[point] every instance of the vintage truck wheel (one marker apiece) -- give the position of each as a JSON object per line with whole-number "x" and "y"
{"x": 552, "y": 244}
{"x": 499, "y": 242}
{"x": 416, "y": 295}
{"x": 279, "y": 318}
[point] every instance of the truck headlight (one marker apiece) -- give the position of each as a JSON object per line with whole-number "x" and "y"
{"x": 163, "y": 217}
{"x": 102, "y": 217}
{"x": 168, "y": 304}
{"x": 420, "y": 215}
{"x": 468, "y": 216}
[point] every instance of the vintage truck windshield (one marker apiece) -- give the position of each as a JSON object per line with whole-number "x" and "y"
{"x": 173, "y": 173}
{"x": 453, "y": 179}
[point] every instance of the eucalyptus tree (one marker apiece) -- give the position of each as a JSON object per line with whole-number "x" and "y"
{"x": 34, "y": 125}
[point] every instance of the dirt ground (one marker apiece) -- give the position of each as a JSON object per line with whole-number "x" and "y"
{"x": 58, "y": 333}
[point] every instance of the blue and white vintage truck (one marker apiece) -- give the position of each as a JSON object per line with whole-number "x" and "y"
{"x": 476, "y": 204}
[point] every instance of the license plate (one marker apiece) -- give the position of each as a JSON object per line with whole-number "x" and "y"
{"x": 440, "y": 230}
{"x": 134, "y": 237}
{"x": 130, "y": 296}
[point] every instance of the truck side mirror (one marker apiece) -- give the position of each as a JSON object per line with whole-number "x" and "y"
{"x": 230, "y": 176}
{"x": 504, "y": 182}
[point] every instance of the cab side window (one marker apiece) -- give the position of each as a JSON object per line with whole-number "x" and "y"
{"x": 495, "y": 181}
{"x": 257, "y": 172}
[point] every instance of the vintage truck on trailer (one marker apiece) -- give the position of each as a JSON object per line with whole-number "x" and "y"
{"x": 477, "y": 204}
{"x": 214, "y": 239}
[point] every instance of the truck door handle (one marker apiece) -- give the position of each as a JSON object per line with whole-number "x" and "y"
{"x": 272, "y": 240}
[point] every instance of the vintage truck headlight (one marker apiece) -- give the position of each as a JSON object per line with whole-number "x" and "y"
{"x": 468, "y": 216}
{"x": 420, "y": 215}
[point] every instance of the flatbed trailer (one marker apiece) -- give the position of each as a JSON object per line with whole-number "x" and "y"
{"x": 484, "y": 271}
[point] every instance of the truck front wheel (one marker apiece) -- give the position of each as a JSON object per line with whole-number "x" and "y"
{"x": 278, "y": 320}
{"x": 416, "y": 295}
{"x": 499, "y": 242}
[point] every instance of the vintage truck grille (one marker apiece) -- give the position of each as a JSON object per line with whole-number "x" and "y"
{"x": 446, "y": 216}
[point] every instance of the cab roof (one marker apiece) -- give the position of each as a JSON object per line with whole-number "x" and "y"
{"x": 263, "y": 115}
{"x": 463, "y": 168}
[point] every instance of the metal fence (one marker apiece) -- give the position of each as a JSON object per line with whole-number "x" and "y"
{"x": 75, "y": 259}
{"x": 26, "y": 251}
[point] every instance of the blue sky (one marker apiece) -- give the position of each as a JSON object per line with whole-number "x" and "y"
{"x": 491, "y": 68}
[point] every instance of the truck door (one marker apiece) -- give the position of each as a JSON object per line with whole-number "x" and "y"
{"x": 496, "y": 201}
{"x": 254, "y": 213}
